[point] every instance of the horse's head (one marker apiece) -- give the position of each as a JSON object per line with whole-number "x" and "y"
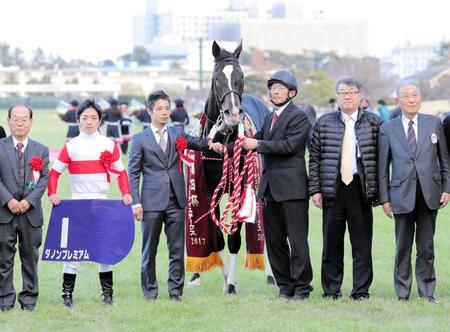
{"x": 227, "y": 86}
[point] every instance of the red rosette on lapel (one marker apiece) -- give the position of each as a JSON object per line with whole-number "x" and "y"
{"x": 36, "y": 164}
{"x": 181, "y": 145}
{"x": 106, "y": 161}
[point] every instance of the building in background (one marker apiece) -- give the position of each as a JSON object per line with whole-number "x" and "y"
{"x": 293, "y": 27}
{"x": 408, "y": 59}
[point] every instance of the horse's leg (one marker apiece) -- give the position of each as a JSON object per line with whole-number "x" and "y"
{"x": 234, "y": 244}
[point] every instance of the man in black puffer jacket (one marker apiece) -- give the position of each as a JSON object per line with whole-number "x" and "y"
{"x": 343, "y": 181}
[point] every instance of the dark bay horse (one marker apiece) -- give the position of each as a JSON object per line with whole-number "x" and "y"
{"x": 224, "y": 112}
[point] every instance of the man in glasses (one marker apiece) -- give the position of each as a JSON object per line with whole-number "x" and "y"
{"x": 414, "y": 145}
{"x": 343, "y": 182}
{"x": 284, "y": 186}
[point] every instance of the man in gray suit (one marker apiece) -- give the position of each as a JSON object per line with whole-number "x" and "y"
{"x": 21, "y": 216}
{"x": 420, "y": 184}
{"x": 162, "y": 198}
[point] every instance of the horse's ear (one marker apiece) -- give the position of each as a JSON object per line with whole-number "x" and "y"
{"x": 215, "y": 49}
{"x": 238, "y": 50}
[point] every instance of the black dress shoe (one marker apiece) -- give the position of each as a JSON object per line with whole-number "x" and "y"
{"x": 6, "y": 307}
{"x": 298, "y": 297}
{"x": 359, "y": 297}
{"x": 270, "y": 280}
{"x": 402, "y": 299}
{"x": 175, "y": 297}
{"x": 432, "y": 299}
{"x": 231, "y": 289}
{"x": 281, "y": 297}
{"x": 331, "y": 296}
{"x": 28, "y": 307}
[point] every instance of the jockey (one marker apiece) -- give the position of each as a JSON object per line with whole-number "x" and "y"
{"x": 89, "y": 180}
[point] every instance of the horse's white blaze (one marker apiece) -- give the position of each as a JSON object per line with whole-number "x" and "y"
{"x": 228, "y": 70}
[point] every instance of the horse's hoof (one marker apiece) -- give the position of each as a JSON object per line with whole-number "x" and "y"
{"x": 231, "y": 289}
{"x": 195, "y": 280}
{"x": 270, "y": 280}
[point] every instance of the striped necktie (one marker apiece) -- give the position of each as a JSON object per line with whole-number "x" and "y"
{"x": 412, "y": 143}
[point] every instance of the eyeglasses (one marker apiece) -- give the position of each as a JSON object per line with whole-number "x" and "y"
{"x": 408, "y": 97}
{"x": 351, "y": 94}
{"x": 277, "y": 87}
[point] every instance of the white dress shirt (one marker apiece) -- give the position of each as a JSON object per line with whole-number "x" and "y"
{"x": 405, "y": 123}
{"x": 25, "y": 143}
{"x": 156, "y": 134}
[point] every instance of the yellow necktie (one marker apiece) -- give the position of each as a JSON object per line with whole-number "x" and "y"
{"x": 346, "y": 157}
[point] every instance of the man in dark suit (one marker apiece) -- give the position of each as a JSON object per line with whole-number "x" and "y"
{"x": 2, "y": 132}
{"x": 415, "y": 145}
{"x": 21, "y": 216}
{"x": 162, "y": 198}
{"x": 343, "y": 181}
{"x": 446, "y": 124}
{"x": 284, "y": 185}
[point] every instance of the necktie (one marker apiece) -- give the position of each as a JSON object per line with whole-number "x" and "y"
{"x": 162, "y": 141}
{"x": 412, "y": 139}
{"x": 19, "y": 149}
{"x": 346, "y": 156}
{"x": 274, "y": 120}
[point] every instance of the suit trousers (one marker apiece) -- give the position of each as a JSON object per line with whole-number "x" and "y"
{"x": 422, "y": 220}
{"x": 173, "y": 220}
{"x": 290, "y": 262}
{"x": 349, "y": 208}
{"x": 30, "y": 239}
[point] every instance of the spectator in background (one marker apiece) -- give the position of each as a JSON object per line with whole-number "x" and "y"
{"x": 125, "y": 126}
{"x": 179, "y": 116}
{"x": 70, "y": 117}
{"x": 447, "y": 131}
{"x": 113, "y": 118}
{"x": 310, "y": 113}
{"x": 396, "y": 112}
{"x": 365, "y": 106}
{"x": 2, "y": 132}
{"x": 383, "y": 111}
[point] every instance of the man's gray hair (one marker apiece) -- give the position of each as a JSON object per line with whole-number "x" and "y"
{"x": 401, "y": 86}
{"x": 351, "y": 81}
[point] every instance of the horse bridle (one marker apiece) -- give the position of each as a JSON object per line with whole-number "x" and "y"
{"x": 229, "y": 92}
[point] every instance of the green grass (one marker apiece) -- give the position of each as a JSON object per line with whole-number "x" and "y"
{"x": 207, "y": 309}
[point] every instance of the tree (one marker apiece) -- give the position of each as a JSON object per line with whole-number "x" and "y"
{"x": 141, "y": 56}
{"x": 316, "y": 86}
{"x": 256, "y": 85}
{"x": 5, "y": 57}
{"x": 443, "y": 53}
{"x": 38, "y": 59}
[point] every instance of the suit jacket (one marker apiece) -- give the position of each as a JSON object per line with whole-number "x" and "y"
{"x": 9, "y": 180}
{"x": 159, "y": 171}
{"x": 283, "y": 152}
{"x": 446, "y": 123}
{"x": 431, "y": 166}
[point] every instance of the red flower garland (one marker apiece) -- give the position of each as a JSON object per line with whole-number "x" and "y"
{"x": 181, "y": 145}
{"x": 105, "y": 158}
{"x": 36, "y": 164}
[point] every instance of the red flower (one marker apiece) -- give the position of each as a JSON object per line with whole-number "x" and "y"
{"x": 181, "y": 144}
{"x": 36, "y": 164}
{"x": 105, "y": 158}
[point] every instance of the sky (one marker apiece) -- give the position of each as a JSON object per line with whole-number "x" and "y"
{"x": 101, "y": 29}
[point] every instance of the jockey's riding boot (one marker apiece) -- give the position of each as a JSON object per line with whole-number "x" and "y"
{"x": 67, "y": 289}
{"x": 106, "y": 282}
{"x": 231, "y": 289}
